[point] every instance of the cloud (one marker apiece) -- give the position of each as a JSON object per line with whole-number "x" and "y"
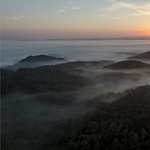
{"x": 76, "y": 8}
{"x": 139, "y": 9}
{"x": 61, "y": 10}
{"x": 124, "y": 10}
{"x": 15, "y": 17}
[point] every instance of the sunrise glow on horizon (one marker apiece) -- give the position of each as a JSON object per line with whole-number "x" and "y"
{"x": 42, "y": 19}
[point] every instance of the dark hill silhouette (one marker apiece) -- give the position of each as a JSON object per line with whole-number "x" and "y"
{"x": 38, "y": 80}
{"x": 130, "y": 64}
{"x": 36, "y": 61}
{"x": 116, "y": 125}
{"x": 39, "y": 58}
{"x": 141, "y": 56}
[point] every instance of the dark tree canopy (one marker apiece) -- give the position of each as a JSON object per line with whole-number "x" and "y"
{"x": 123, "y": 125}
{"x": 38, "y": 80}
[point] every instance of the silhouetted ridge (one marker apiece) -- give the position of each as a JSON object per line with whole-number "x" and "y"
{"x": 124, "y": 124}
{"x": 38, "y": 58}
{"x": 141, "y": 56}
{"x": 130, "y": 64}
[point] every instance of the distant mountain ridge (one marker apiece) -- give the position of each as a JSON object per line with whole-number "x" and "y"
{"x": 129, "y": 64}
{"x": 145, "y": 55}
{"x": 107, "y": 38}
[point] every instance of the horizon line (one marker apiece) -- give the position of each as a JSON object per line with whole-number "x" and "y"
{"x": 84, "y": 39}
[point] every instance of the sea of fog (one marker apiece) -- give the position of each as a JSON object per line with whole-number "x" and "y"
{"x": 72, "y": 50}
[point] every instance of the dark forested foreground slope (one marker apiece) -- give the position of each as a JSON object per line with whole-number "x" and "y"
{"x": 38, "y": 80}
{"x": 121, "y": 125}
{"x": 28, "y": 123}
{"x": 77, "y": 106}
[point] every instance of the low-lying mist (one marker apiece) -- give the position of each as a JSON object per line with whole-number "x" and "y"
{"x": 62, "y": 99}
{"x": 13, "y": 51}
{"x": 102, "y": 81}
{"x": 27, "y": 120}
{"x": 34, "y": 117}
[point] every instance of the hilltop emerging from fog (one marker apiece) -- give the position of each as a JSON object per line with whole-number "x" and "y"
{"x": 142, "y": 56}
{"x": 39, "y": 58}
{"x": 130, "y": 64}
{"x": 36, "y": 61}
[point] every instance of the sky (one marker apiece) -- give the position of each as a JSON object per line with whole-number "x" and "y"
{"x": 54, "y": 19}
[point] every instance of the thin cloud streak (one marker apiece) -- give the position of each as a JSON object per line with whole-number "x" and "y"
{"x": 18, "y": 17}
{"x": 76, "y": 8}
{"x": 61, "y": 10}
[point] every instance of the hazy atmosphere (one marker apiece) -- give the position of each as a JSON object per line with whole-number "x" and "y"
{"x": 75, "y": 74}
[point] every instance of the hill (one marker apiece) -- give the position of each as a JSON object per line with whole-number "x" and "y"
{"x": 141, "y": 56}
{"x": 39, "y": 58}
{"x": 129, "y": 64}
{"x": 38, "y": 80}
{"x": 123, "y": 124}
{"x": 36, "y": 61}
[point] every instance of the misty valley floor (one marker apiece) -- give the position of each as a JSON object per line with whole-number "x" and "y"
{"x": 82, "y": 105}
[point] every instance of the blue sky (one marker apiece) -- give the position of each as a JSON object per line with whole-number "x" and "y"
{"x": 41, "y": 19}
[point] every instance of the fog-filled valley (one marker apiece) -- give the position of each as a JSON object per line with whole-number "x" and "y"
{"x": 51, "y": 102}
{"x": 72, "y": 50}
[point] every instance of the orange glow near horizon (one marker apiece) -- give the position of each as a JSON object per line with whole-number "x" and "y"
{"x": 74, "y": 32}
{"x": 89, "y": 19}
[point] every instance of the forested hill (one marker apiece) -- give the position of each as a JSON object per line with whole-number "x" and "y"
{"x": 142, "y": 56}
{"x": 38, "y": 80}
{"x": 121, "y": 125}
{"x": 129, "y": 64}
{"x": 39, "y": 58}
{"x": 36, "y": 61}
